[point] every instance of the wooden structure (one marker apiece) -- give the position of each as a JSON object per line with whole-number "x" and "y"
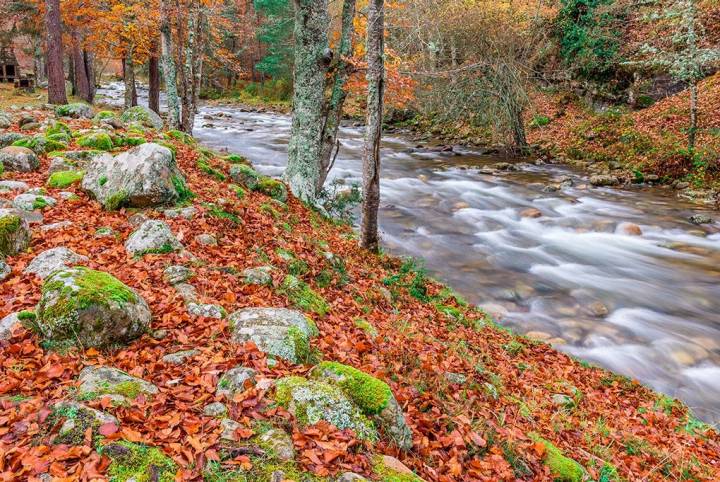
{"x": 9, "y": 66}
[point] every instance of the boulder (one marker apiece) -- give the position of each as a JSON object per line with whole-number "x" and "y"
{"x": 143, "y": 115}
{"x": 177, "y": 274}
{"x": 233, "y": 381}
{"x": 60, "y": 164}
{"x": 258, "y": 276}
{"x": 20, "y": 159}
{"x": 277, "y": 442}
{"x": 5, "y": 270}
{"x": 144, "y": 176}
{"x": 9, "y": 138}
{"x": 77, "y": 110}
{"x": 630, "y": 229}
{"x": 30, "y": 202}
{"x": 51, "y": 260}
{"x": 13, "y": 186}
{"x": 206, "y": 239}
{"x": 99, "y": 381}
{"x": 179, "y": 357}
{"x": 604, "y": 180}
{"x": 311, "y": 401}
{"x": 5, "y": 120}
{"x": 215, "y": 409}
{"x": 90, "y": 308}
{"x": 206, "y": 310}
{"x": 371, "y": 395}
{"x": 152, "y": 236}
{"x": 700, "y": 219}
{"x": 279, "y": 332}
{"x": 14, "y": 233}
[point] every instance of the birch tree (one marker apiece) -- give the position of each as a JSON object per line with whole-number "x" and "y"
{"x": 56, "y": 74}
{"x": 371, "y": 155}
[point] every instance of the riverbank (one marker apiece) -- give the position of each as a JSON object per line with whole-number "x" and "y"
{"x": 480, "y": 402}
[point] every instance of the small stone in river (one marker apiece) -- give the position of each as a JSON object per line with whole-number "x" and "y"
{"x": 630, "y": 229}
{"x": 461, "y": 205}
{"x": 598, "y": 309}
{"x": 700, "y": 219}
{"x": 538, "y": 335}
{"x": 530, "y": 213}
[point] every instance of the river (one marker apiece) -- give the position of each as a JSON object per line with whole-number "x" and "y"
{"x": 566, "y": 266}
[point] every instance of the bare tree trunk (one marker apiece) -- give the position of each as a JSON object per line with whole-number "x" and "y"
{"x": 338, "y": 95}
{"x": 312, "y": 59}
{"x": 89, "y": 59}
{"x": 169, "y": 69}
{"x": 154, "y": 79}
{"x": 518, "y": 129}
{"x": 129, "y": 78}
{"x": 56, "y": 75}
{"x": 692, "y": 132}
{"x": 192, "y": 68}
{"x": 81, "y": 80}
{"x": 371, "y": 156}
{"x": 38, "y": 61}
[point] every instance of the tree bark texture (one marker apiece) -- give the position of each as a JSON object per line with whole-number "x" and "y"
{"x": 154, "y": 79}
{"x": 81, "y": 78}
{"x": 168, "y": 65}
{"x": 56, "y": 74}
{"x": 129, "y": 78}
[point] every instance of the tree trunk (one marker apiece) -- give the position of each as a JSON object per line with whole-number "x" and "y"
{"x": 129, "y": 78}
{"x": 154, "y": 79}
{"x": 56, "y": 75}
{"x": 338, "y": 95}
{"x": 311, "y": 64}
{"x": 89, "y": 59}
{"x": 191, "y": 70}
{"x": 371, "y": 155}
{"x": 38, "y": 60}
{"x": 692, "y": 132}
{"x": 518, "y": 129}
{"x": 169, "y": 69}
{"x": 81, "y": 80}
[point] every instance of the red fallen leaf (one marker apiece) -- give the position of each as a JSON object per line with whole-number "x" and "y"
{"x": 477, "y": 439}
{"x": 107, "y": 429}
{"x": 55, "y": 371}
{"x": 244, "y": 433}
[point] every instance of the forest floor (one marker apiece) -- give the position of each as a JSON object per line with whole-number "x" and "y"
{"x": 481, "y": 402}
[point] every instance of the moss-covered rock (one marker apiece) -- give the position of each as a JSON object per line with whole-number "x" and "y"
{"x": 152, "y": 237}
{"x": 371, "y": 395}
{"x": 96, "y": 140}
{"x": 181, "y": 136}
{"x": 128, "y": 141}
{"x": 40, "y": 144}
{"x": 104, "y": 115}
{"x": 273, "y": 188}
{"x": 58, "y": 127}
{"x": 91, "y": 308}
{"x": 75, "y": 110}
{"x": 138, "y": 463}
{"x": 245, "y": 175}
{"x": 30, "y": 202}
{"x": 563, "y": 468}
{"x": 143, "y": 115}
{"x": 390, "y": 469}
{"x": 8, "y": 138}
{"x": 98, "y": 381}
{"x": 63, "y": 179}
{"x": 236, "y": 159}
{"x": 302, "y": 296}
{"x": 76, "y": 419}
{"x": 14, "y": 233}
{"x": 311, "y": 401}
{"x": 279, "y": 332}
{"x": 233, "y": 381}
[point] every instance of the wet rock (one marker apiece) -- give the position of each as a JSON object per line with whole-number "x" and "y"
{"x": 651, "y": 178}
{"x": 215, "y": 409}
{"x": 99, "y": 381}
{"x": 206, "y": 239}
{"x": 90, "y": 308}
{"x": 496, "y": 312}
{"x": 30, "y": 202}
{"x": 177, "y": 274}
{"x": 278, "y": 443}
{"x": 371, "y": 395}
{"x": 233, "y": 381}
{"x": 630, "y": 229}
{"x": 557, "y": 341}
{"x": 258, "y": 276}
{"x": 152, "y": 237}
{"x": 14, "y": 233}
{"x": 144, "y": 176}
{"x": 700, "y": 218}
{"x": 530, "y": 213}
{"x": 206, "y": 310}
{"x": 597, "y": 309}
{"x": 680, "y": 185}
{"x": 460, "y": 205}
{"x": 551, "y": 188}
{"x": 599, "y": 180}
{"x": 47, "y": 262}
{"x": 20, "y": 159}
{"x": 180, "y": 357}
{"x": 505, "y": 166}
{"x": 143, "y": 115}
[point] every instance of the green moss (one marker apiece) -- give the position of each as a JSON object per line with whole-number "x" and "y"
{"x": 245, "y": 175}
{"x": 166, "y": 248}
{"x": 26, "y": 315}
{"x": 63, "y": 179}
{"x": 181, "y": 136}
{"x": 58, "y": 137}
{"x": 128, "y": 141}
{"x": 9, "y": 225}
{"x": 235, "y": 159}
{"x": 103, "y": 180}
{"x": 138, "y": 462}
{"x": 40, "y": 144}
{"x": 368, "y": 393}
{"x": 68, "y": 110}
{"x": 273, "y": 188}
{"x": 208, "y": 169}
{"x": 217, "y": 212}
{"x": 96, "y": 140}
{"x": 103, "y": 115}
{"x": 58, "y": 128}
{"x": 40, "y": 203}
{"x": 239, "y": 192}
{"x": 116, "y": 201}
{"x": 181, "y": 188}
{"x": 387, "y": 474}
{"x": 262, "y": 471}
{"x": 366, "y": 326}
{"x": 302, "y": 296}
{"x": 563, "y": 468}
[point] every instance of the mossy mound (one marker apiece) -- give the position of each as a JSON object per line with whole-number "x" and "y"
{"x": 96, "y": 140}
{"x": 104, "y": 115}
{"x": 75, "y": 110}
{"x": 63, "y": 179}
{"x": 387, "y": 473}
{"x": 143, "y": 115}
{"x": 181, "y": 136}
{"x": 128, "y": 141}
{"x": 301, "y": 295}
{"x": 236, "y": 159}
{"x": 40, "y": 144}
{"x": 91, "y": 308}
{"x": 101, "y": 381}
{"x": 14, "y": 233}
{"x": 273, "y": 188}
{"x": 138, "y": 462}
{"x": 563, "y": 468}
{"x": 58, "y": 128}
{"x": 311, "y": 401}
{"x": 367, "y": 392}
{"x": 245, "y": 175}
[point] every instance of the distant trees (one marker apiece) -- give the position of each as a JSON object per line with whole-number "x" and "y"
{"x": 54, "y": 46}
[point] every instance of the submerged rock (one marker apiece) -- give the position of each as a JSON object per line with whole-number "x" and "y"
{"x": 604, "y": 180}
{"x": 90, "y": 308}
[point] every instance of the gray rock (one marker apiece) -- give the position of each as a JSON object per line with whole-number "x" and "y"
{"x": 700, "y": 218}
{"x": 279, "y": 443}
{"x": 5, "y": 270}
{"x": 5, "y": 120}
{"x": 144, "y": 176}
{"x": 180, "y": 357}
{"x": 45, "y": 263}
{"x": 152, "y": 237}
{"x": 177, "y": 274}
{"x": 99, "y": 381}
{"x": 233, "y": 381}
{"x": 59, "y": 164}
{"x": 104, "y": 232}
{"x": 142, "y": 114}
{"x": 20, "y": 159}
{"x": 215, "y": 409}
{"x": 15, "y": 235}
{"x": 8, "y": 138}
{"x": 455, "y": 378}
{"x": 137, "y": 219}
{"x": 258, "y": 276}
{"x": 54, "y": 226}
{"x": 206, "y": 310}
{"x": 30, "y": 202}
{"x": 187, "y": 292}
{"x": 77, "y": 110}
{"x": 185, "y": 213}
{"x": 90, "y": 308}
{"x": 206, "y": 239}
{"x": 13, "y": 186}
{"x": 604, "y": 180}
{"x": 7, "y": 324}
{"x": 229, "y": 429}
{"x": 351, "y": 477}
{"x": 279, "y": 332}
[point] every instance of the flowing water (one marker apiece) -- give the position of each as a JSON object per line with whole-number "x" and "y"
{"x": 646, "y": 306}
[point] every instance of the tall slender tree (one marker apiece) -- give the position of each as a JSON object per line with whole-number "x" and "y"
{"x": 169, "y": 67}
{"x": 56, "y": 74}
{"x": 373, "y": 135}
{"x": 81, "y": 77}
{"x": 154, "y": 79}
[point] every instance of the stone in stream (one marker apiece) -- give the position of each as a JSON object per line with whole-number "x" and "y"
{"x": 279, "y": 332}
{"x": 530, "y": 213}
{"x": 371, "y": 395}
{"x": 152, "y": 237}
{"x": 90, "y": 308}
{"x": 100, "y": 381}
{"x": 630, "y": 229}
{"x": 45, "y": 263}
{"x": 599, "y": 180}
{"x": 14, "y": 233}
{"x": 20, "y": 159}
{"x": 144, "y": 176}
{"x": 700, "y": 218}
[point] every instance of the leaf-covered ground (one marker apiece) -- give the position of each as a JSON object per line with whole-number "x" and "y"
{"x": 478, "y": 399}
